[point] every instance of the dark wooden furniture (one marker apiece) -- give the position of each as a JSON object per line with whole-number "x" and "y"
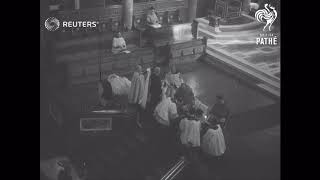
{"x": 228, "y": 8}
{"x": 110, "y": 17}
{"x": 88, "y": 71}
{"x": 90, "y": 48}
{"x": 106, "y": 121}
{"x": 86, "y": 59}
{"x": 167, "y": 18}
{"x": 189, "y": 51}
{"x": 168, "y": 34}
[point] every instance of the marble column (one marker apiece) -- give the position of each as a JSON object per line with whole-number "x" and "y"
{"x": 127, "y": 14}
{"x": 192, "y": 10}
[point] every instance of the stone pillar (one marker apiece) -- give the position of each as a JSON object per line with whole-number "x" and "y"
{"x": 192, "y": 10}
{"x": 127, "y": 14}
{"x": 246, "y": 6}
{"x": 76, "y": 4}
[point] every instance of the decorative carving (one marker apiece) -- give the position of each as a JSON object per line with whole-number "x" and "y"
{"x": 228, "y": 8}
{"x": 191, "y": 50}
{"x": 160, "y": 6}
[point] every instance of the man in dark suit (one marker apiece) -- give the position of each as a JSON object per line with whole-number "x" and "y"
{"x": 220, "y": 111}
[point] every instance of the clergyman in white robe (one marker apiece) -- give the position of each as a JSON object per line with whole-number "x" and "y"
{"x": 137, "y": 87}
{"x": 118, "y": 45}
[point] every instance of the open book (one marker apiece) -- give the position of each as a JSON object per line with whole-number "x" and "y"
{"x": 155, "y": 25}
{"x": 126, "y": 51}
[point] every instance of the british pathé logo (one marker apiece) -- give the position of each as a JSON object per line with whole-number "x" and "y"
{"x": 269, "y": 14}
{"x": 267, "y": 39}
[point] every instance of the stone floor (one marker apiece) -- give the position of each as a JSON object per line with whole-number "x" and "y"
{"x": 264, "y": 58}
{"x": 254, "y": 129}
{"x": 241, "y": 45}
{"x": 254, "y": 148}
{"x": 207, "y": 81}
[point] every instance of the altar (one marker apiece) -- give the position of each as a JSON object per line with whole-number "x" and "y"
{"x": 226, "y": 9}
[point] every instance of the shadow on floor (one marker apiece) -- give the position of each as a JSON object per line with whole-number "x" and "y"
{"x": 254, "y": 120}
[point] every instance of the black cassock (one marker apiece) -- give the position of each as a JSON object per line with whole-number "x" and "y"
{"x": 155, "y": 90}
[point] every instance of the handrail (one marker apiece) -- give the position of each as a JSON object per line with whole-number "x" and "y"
{"x": 175, "y": 170}
{"x": 176, "y": 166}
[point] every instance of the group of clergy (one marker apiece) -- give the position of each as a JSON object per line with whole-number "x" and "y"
{"x": 172, "y": 104}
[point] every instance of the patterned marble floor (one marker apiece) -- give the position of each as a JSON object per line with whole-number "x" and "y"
{"x": 264, "y": 58}
{"x": 242, "y": 45}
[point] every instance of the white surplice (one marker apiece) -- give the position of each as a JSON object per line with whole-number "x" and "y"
{"x": 213, "y": 142}
{"x": 190, "y": 132}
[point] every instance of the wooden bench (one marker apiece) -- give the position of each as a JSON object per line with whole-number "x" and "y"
{"x": 167, "y": 15}
{"x": 110, "y": 17}
{"x": 90, "y": 48}
{"x": 87, "y": 71}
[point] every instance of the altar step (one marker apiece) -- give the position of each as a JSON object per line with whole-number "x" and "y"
{"x": 233, "y": 29}
{"x": 203, "y": 23}
{"x": 246, "y": 34}
{"x": 227, "y": 37}
{"x": 263, "y": 81}
{"x": 242, "y": 63}
{"x": 243, "y": 32}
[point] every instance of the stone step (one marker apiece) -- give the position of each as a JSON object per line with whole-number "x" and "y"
{"x": 203, "y": 23}
{"x": 222, "y": 33}
{"x": 269, "y": 89}
{"x": 268, "y": 83}
{"x": 243, "y": 63}
{"x": 244, "y": 36}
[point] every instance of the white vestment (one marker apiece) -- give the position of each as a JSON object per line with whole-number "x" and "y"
{"x": 165, "y": 110}
{"x": 174, "y": 79}
{"x": 137, "y": 88}
{"x": 213, "y": 142}
{"x": 190, "y": 132}
{"x": 118, "y": 45}
{"x": 152, "y": 18}
{"x": 120, "y": 85}
{"x": 143, "y": 101}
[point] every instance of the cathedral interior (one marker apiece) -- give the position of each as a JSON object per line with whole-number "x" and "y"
{"x": 214, "y": 46}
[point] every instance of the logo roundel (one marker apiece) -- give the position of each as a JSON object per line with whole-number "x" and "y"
{"x": 52, "y": 23}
